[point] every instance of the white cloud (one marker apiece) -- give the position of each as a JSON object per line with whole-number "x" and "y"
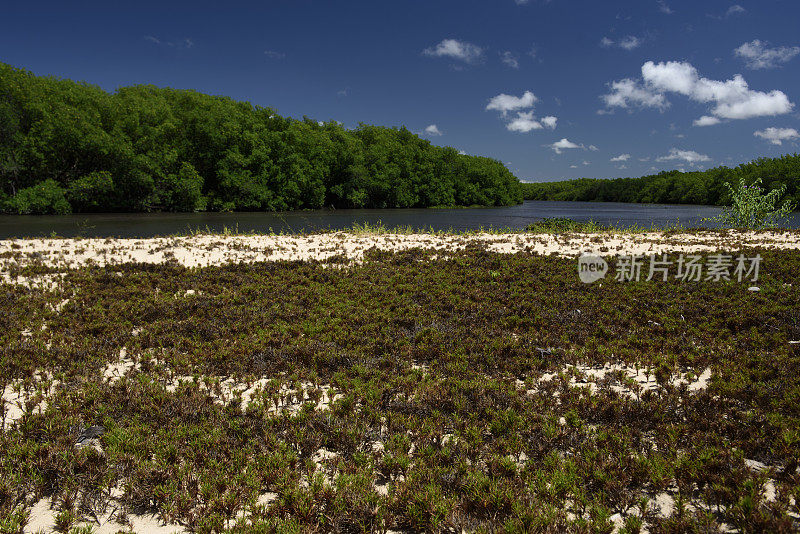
{"x": 758, "y": 55}
{"x": 593, "y": 148}
{"x": 777, "y": 136}
{"x": 509, "y": 59}
{"x": 184, "y": 43}
{"x": 706, "y": 120}
{"x": 733, "y": 98}
{"x": 621, "y": 157}
{"x": 455, "y": 49}
{"x": 505, "y": 103}
{"x": 573, "y": 166}
{"x": 587, "y": 162}
{"x": 564, "y": 144}
{"x": 664, "y": 8}
{"x": 272, "y": 54}
{"x": 689, "y": 156}
{"x": 550, "y": 122}
{"x": 524, "y": 121}
{"x": 627, "y": 43}
{"x": 628, "y": 92}
{"x": 433, "y": 130}
{"x": 735, "y": 9}
{"x": 730, "y": 99}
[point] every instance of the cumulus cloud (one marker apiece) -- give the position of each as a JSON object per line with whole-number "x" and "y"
{"x": 758, "y": 55}
{"x": 550, "y": 122}
{"x": 564, "y": 144}
{"x": 505, "y": 103}
{"x": 523, "y": 121}
{"x": 455, "y": 49}
{"x": 433, "y": 130}
{"x": 706, "y": 120}
{"x": 689, "y": 156}
{"x": 621, "y": 157}
{"x": 626, "y": 93}
{"x": 509, "y": 59}
{"x": 730, "y": 99}
{"x": 626, "y": 43}
{"x": 777, "y": 136}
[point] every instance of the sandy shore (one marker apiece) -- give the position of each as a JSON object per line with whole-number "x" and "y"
{"x": 208, "y": 250}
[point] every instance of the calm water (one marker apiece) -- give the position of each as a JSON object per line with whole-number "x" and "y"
{"x": 515, "y": 217}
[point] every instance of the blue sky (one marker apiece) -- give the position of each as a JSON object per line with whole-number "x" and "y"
{"x": 555, "y": 89}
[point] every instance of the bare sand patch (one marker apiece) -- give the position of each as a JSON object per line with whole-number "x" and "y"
{"x": 43, "y": 514}
{"x": 210, "y": 250}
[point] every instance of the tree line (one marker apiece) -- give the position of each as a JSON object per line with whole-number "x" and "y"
{"x": 676, "y": 187}
{"x": 70, "y": 146}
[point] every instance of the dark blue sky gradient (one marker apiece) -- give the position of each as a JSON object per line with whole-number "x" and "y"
{"x": 363, "y": 61}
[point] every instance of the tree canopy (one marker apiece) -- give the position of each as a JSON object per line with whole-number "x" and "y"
{"x": 676, "y": 187}
{"x": 70, "y": 146}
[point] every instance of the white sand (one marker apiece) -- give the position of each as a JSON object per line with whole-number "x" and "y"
{"x": 205, "y": 250}
{"x": 43, "y": 519}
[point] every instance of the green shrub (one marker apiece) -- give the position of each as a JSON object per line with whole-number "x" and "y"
{"x": 43, "y": 198}
{"x": 91, "y": 192}
{"x": 184, "y": 191}
{"x": 563, "y": 224}
{"x": 751, "y": 207}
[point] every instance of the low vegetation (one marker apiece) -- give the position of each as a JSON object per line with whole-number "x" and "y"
{"x": 68, "y": 146}
{"x": 752, "y": 208}
{"x": 415, "y": 391}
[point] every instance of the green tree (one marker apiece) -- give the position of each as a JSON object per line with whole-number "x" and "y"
{"x": 92, "y": 192}
{"x": 44, "y": 198}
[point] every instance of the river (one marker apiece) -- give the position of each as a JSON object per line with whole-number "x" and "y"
{"x": 513, "y": 217}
